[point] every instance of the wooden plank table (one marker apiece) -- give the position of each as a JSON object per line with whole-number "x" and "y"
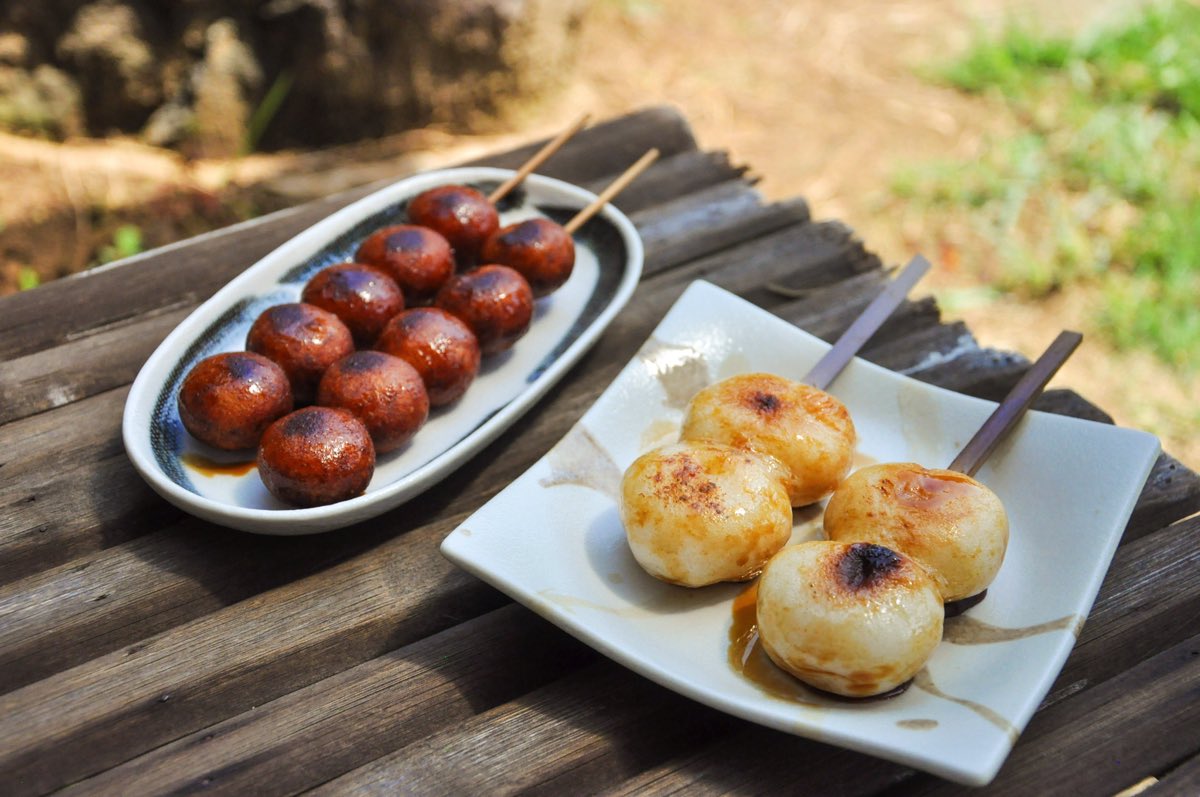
{"x": 145, "y": 651}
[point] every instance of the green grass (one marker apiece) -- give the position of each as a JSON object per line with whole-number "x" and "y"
{"x": 27, "y": 278}
{"x": 266, "y": 110}
{"x": 126, "y": 242}
{"x": 1101, "y": 181}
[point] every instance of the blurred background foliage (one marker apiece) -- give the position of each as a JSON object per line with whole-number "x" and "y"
{"x": 1100, "y": 182}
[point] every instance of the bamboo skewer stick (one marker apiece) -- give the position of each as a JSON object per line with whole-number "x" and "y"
{"x": 614, "y": 188}
{"x": 1014, "y": 405}
{"x": 551, "y": 147}
{"x": 879, "y": 310}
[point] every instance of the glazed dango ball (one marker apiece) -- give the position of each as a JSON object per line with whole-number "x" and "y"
{"x": 541, "y": 250}
{"x": 362, "y": 296}
{"x": 419, "y": 259}
{"x": 316, "y": 456}
{"x": 697, "y": 514}
{"x": 383, "y": 391}
{"x": 228, "y": 400}
{"x": 495, "y": 302}
{"x": 462, "y": 215}
{"x": 440, "y": 346}
{"x": 805, "y": 428}
{"x": 948, "y": 521}
{"x": 854, "y": 619}
{"x": 303, "y": 340}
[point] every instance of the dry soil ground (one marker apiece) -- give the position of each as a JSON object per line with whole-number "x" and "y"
{"x": 819, "y": 99}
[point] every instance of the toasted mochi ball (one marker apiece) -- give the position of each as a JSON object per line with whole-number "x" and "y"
{"x": 495, "y": 302}
{"x": 385, "y": 392}
{"x": 461, "y": 214}
{"x": 440, "y": 346}
{"x": 419, "y": 259}
{"x": 948, "y": 521}
{"x": 805, "y": 428}
{"x": 700, "y": 513}
{"x": 316, "y": 456}
{"x": 303, "y": 340}
{"x": 541, "y": 250}
{"x": 228, "y": 400}
{"x": 362, "y": 296}
{"x": 854, "y": 619}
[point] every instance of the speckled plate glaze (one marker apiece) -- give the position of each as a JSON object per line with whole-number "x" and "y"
{"x": 553, "y": 541}
{"x": 608, "y": 265}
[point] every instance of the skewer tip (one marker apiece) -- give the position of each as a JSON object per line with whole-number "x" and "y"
{"x": 1013, "y": 407}
{"x": 538, "y": 158}
{"x": 615, "y": 187}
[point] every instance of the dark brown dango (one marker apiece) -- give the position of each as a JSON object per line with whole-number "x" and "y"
{"x": 461, "y": 214}
{"x": 362, "y": 296}
{"x": 303, "y": 340}
{"x": 228, "y": 400}
{"x": 495, "y": 301}
{"x": 419, "y": 258}
{"x": 385, "y": 392}
{"x": 316, "y": 456}
{"x": 542, "y": 251}
{"x": 439, "y": 345}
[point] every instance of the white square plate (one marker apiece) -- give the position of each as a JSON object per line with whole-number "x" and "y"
{"x": 553, "y": 541}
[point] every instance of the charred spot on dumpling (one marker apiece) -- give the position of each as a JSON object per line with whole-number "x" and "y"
{"x": 865, "y": 565}
{"x": 690, "y": 486}
{"x": 765, "y": 403}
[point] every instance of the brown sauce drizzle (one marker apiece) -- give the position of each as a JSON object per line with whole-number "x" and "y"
{"x": 750, "y": 660}
{"x": 211, "y": 467}
{"x": 968, "y": 630}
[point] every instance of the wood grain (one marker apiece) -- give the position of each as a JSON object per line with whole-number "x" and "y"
{"x": 128, "y": 701}
{"x": 358, "y": 715}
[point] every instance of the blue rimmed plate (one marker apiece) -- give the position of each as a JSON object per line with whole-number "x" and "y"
{"x": 220, "y": 487}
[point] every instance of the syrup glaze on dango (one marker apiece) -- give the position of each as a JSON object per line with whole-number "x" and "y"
{"x": 954, "y": 525}
{"x": 806, "y": 429}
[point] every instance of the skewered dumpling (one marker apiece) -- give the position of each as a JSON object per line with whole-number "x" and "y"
{"x": 805, "y": 428}
{"x": 700, "y": 513}
{"x": 951, "y": 523}
{"x": 855, "y": 619}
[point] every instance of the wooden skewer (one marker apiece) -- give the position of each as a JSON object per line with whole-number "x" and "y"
{"x": 614, "y": 188}
{"x": 879, "y": 310}
{"x": 538, "y": 159}
{"x": 1014, "y": 405}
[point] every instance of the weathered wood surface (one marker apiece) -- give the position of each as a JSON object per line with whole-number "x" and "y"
{"x": 143, "y": 651}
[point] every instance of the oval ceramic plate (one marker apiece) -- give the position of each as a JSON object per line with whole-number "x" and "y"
{"x": 225, "y": 489}
{"x": 553, "y": 540}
